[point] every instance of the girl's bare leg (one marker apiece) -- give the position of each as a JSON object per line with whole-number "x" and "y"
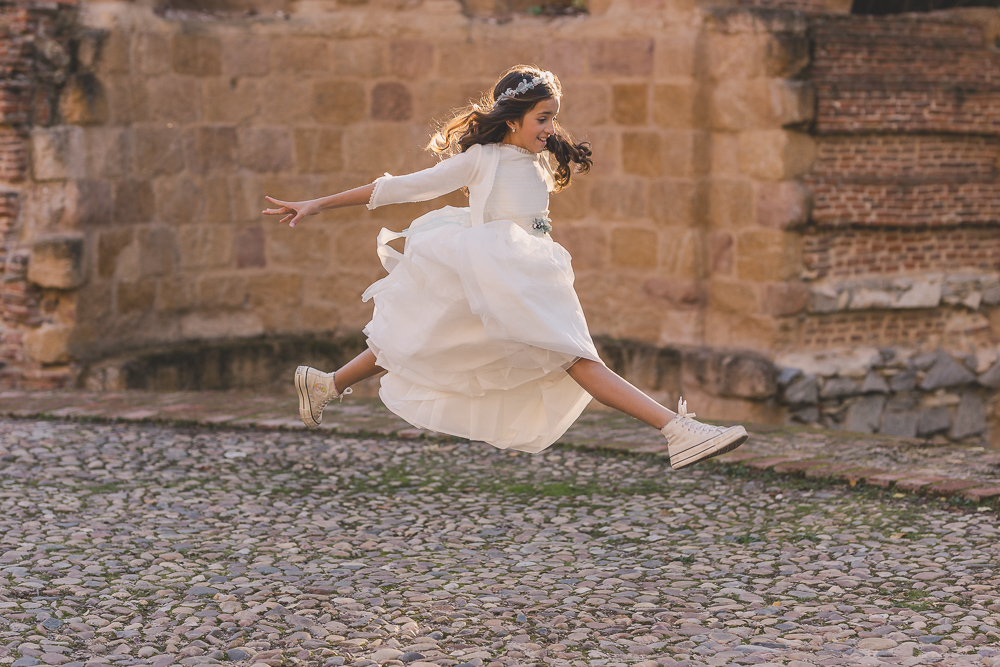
{"x": 615, "y": 392}
{"x": 357, "y": 369}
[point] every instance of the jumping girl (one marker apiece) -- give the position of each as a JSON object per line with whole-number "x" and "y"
{"x": 477, "y": 325}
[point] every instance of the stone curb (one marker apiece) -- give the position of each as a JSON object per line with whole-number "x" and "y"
{"x": 911, "y": 482}
{"x": 203, "y": 409}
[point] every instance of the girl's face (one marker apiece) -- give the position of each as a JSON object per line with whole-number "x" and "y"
{"x": 535, "y": 127}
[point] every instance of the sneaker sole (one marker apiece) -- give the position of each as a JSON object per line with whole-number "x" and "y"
{"x": 305, "y": 405}
{"x": 726, "y": 441}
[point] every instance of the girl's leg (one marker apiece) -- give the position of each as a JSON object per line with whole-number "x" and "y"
{"x": 316, "y": 388}
{"x": 357, "y": 369}
{"x": 613, "y": 391}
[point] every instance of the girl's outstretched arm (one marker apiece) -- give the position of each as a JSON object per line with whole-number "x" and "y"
{"x": 294, "y": 211}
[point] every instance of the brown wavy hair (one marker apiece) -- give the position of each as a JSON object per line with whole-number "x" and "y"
{"x": 485, "y": 122}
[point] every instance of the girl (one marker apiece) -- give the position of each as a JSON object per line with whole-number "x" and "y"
{"x": 477, "y": 325}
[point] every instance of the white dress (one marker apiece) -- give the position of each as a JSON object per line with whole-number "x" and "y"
{"x": 478, "y": 320}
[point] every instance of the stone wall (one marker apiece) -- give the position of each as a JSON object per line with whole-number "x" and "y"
{"x": 772, "y": 179}
{"x": 37, "y": 299}
{"x": 171, "y": 126}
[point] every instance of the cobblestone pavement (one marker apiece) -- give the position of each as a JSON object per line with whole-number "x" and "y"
{"x": 907, "y": 465}
{"x": 125, "y": 543}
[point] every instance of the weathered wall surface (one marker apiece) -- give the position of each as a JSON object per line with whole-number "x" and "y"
{"x": 776, "y": 186}
{"x": 172, "y": 128}
{"x": 901, "y": 256}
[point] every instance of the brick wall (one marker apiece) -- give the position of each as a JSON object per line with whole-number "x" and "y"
{"x": 34, "y": 54}
{"x": 906, "y": 179}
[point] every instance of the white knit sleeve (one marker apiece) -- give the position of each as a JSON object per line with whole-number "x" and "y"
{"x": 444, "y": 177}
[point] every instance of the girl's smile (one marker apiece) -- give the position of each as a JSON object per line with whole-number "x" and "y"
{"x": 535, "y": 127}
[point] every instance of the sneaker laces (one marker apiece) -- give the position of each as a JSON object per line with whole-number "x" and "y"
{"x": 686, "y": 420}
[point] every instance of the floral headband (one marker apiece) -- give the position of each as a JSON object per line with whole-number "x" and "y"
{"x": 525, "y": 86}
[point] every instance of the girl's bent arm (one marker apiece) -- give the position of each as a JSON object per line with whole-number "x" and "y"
{"x": 294, "y": 211}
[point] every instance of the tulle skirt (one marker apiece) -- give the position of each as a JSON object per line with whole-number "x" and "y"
{"x": 476, "y": 326}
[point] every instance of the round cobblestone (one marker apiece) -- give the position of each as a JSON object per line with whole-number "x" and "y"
{"x": 156, "y": 546}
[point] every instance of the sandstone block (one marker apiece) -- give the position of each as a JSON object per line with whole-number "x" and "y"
{"x": 588, "y": 244}
{"x": 109, "y": 246}
{"x": 391, "y": 101}
{"x": 675, "y": 52}
{"x": 248, "y": 244}
{"x": 156, "y": 150}
{"x": 178, "y": 200}
{"x": 265, "y": 149}
{"x": 776, "y": 155}
{"x": 643, "y": 154}
{"x": 210, "y": 148}
{"x": 300, "y": 54}
{"x": 674, "y": 104}
{"x": 630, "y": 103}
{"x": 634, "y": 247}
{"x": 275, "y": 289}
{"x": 783, "y": 205}
{"x": 361, "y": 57}
{"x": 786, "y": 54}
{"x": 759, "y": 332}
{"x": 734, "y": 55}
{"x": 83, "y": 100}
{"x": 135, "y": 296}
{"x": 784, "y": 298}
{"x": 111, "y": 52}
{"x": 49, "y": 343}
{"x": 205, "y": 246}
{"x": 134, "y": 201}
{"x": 57, "y": 153}
{"x": 618, "y": 200}
{"x": 196, "y": 55}
{"x": 217, "y": 326}
{"x": 767, "y": 255}
{"x": 176, "y": 294}
{"x": 733, "y": 296}
{"x": 591, "y": 104}
{"x": 234, "y": 100}
{"x": 338, "y": 102}
{"x": 760, "y": 104}
{"x": 246, "y": 56}
{"x": 306, "y": 248}
{"x": 57, "y": 262}
{"x": 721, "y": 246}
{"x": 152, "y": 53}
{"x": 158, "y": 251}
{"x": 411, "y": 60}
{"x": 108, "y": 152}
{"x": 621, "y": 57}
{"x": 127, "y": 103}
{"x": 225, "y": 292}
{"x": 174, "y": 99}
{"x": 563, "y": 56}
{"x": 373, "y": 151}
{"x": 730, "y": 203}
{"x": 671, "y": 201}
{"x": 679, "y": 292}
{"x": 682, "y": 252}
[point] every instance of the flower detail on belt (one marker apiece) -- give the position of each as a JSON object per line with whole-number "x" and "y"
{"x": 544, "y": 225}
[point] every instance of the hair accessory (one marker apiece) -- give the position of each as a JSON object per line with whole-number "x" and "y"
{"x": 525, "y": 86}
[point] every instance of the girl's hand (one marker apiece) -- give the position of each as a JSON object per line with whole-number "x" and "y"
{"x": 292, "y": 210}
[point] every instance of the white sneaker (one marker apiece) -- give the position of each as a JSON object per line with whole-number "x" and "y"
{"x": 690, "y": 441}
{"x": 315, "y": 389}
